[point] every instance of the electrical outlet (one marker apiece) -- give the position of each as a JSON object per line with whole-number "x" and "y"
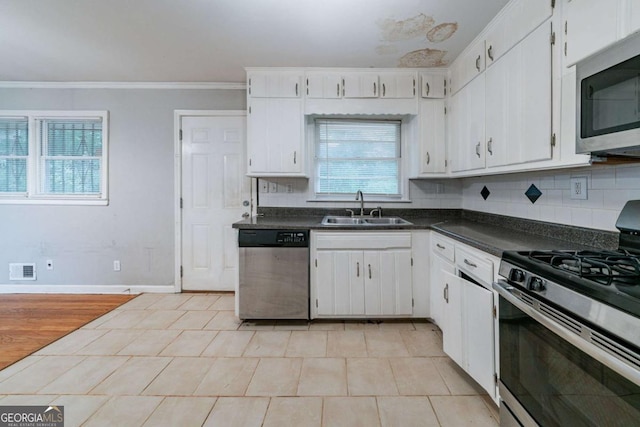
{"x": 273, "y": 187}
{"x": 289, "y": 188}
{"x": 579, "y": 188}
{"x": 263, "y": 186}
{"x": 116, "y": 265}
{"x": 49, "y": 264}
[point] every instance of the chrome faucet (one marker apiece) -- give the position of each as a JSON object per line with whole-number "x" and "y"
{"x": 360, "y": 196}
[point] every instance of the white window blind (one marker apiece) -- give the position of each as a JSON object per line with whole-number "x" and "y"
{"x": 352, "y": 155}
{"x": 14, "y": 153}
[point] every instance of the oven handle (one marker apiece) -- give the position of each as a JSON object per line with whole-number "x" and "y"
{"x": 627, "y": 371}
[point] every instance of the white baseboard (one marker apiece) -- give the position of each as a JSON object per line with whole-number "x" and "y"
{"x": 12, "y": 288}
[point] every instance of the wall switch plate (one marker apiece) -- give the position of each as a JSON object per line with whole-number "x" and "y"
{"x": 579, "y": 188}
{"x": 263, "y": 186}
{"x": 49, "y": 264}
{"x": 273, "y": 187}
{"x": 116, "y": 265}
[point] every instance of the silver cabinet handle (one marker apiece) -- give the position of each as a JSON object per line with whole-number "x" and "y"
{"x": 295, "y": 157}
{"x": 296, "y": 89}
{"x": 307, "y": 86}
{"x": 490, "y": 52}
{"x": 369, "y": 271}
{"x": 478, "y": 63}
{"x": 445, "y": 293}
{"x": 470, "y": 264}
{"x": 490, "y": 146}
{"x": 478, "y": 149}
{"x": 427, "y": 88}
{"x": 384, "y": 89}
{"x": 374, "y": 89}
{"x": 440, "y": 246}
{"x": 357, "y": 269}
{"x": 428, "y": 158}
{"x": 338, "y": 89}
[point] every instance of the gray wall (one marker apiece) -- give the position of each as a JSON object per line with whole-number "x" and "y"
{"x": 137, "y": 227}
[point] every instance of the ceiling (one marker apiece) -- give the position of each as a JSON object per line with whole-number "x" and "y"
{"x": 213, "y": 40}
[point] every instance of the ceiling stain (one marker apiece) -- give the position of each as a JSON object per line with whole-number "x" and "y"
{"x": 407, "y": 29}
{"x": 424, "y": 58}
{"x": 386, "y": 49}
{"x": 442, "y": 32}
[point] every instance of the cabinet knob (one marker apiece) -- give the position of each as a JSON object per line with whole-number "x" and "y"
{"x": 478, "y": 63}
{"x": 440, "y": 246}
{"x": 428, "y": 158}
{"x": 490, "y": 146}
{"x": 295, "y": 157}
{"x": 490, "y": 52}
{"x": 357, "y": 269}
{"x": 445, "y": 293}
{"x": 369, "y": 271}
{"x": 428, "y": 89}
{"x": 374, "y": 89}
{"x": 338, "y": 89}
{"x": 384, "y": 89}
{"x": 478, "y": 149}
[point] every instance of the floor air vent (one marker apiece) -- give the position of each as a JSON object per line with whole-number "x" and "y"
{"x": 19, "y": 271}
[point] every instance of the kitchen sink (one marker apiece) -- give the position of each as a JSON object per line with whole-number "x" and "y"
{"x": 363, "y": 221}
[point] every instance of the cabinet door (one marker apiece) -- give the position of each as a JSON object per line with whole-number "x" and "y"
{"x": 432, "y": 85}
{"x": 274, "y": 136}
{"x": 360, "y": 85}
{"x": 468, "y": 66}
{"x": 397, "y": 85}
{"x": 590, "y": 26}
{"x": 432, "y": 137}
{"x": 439, "y": 266}
{"x": 633, "y": 16}
{"x": 469, "y": 144}
{"x": 388, "y": 284}
{"x": 324, "y": 85}
{"x": 275, "y": 85}
{"x": 478, "y": 335}
{"x": 452, "y": 326}
{"x": 340, "y": 283}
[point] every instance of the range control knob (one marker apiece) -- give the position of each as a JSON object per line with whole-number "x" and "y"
{"x": 517, "y": 275}
{"x": 536, "y": 284}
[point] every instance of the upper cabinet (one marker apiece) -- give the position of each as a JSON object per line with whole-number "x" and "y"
{"x": 379, "y": 85}
{"x": 432, "y": 85}
{"x": 324, "y": 85}
{"x": 274, "y": 85}
{"x": 467, "y": 66}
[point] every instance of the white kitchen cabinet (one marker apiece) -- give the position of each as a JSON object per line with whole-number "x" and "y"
{"x": 394, "y": 85}
{"x": 432, "y": 85}
{"x": 398, "y": 85}
{"x": 453, "y": 325}
{"x": 467, "y": 66}
{"x": 276, "y": 84}
{"x": 421, "y": 273}
{"x": 518, "y": 102}
{"x": 275, "y": 137}
{"x": 590, "y": 26}
{"x": 632, "y": 14}
{"x": 432, "y": 138}
{"x": 442, "y": 260}
{"x": 324, "y": 85}
{"x": 361, "y": 274}
{"x": 360, "y": 85}
{"x": 467, "y": 110}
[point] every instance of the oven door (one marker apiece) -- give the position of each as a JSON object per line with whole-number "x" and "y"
{"x": 548, "y": 381}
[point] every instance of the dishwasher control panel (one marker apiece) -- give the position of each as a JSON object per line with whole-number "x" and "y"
{"x": 273, "y": 238}
{"x": 291, "y": 237}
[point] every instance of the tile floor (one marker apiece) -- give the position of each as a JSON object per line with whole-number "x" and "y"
{"x": 186, "y": 360}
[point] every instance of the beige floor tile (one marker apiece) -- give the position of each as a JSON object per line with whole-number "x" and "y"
{"x": 132, "y": 377}
{"x": 85, "y": 375}
{"x": 181, "y": 377}
{"x": 294, "y": 411}
{"x": 100, "y": 320}
{"x": 181, "y": 411}
{"x": 275, "y": 377}
{"x": 111, "y": 342}
{"x": 323, "y": 377}
{"x": 492, "y": 406}
{"x": 238, "y": 412}
{"x": 170, "y": 302}
{"x": 326, "y": 325}
{"x": 72, "y": 342}
{"x": 257, "y": 325}
{"x": 458, "y": 381}
{"x": 18, "y": 366}
{"x": 39, "y": 374}
{"x": 142, "y": 301}
{"x": 189, "y": 343}
{"x": 424, "y": 325}
{"x": 370, "y": 377}
{"x": 385, "y": 344}
{"x": 350, "y": 412}
{"x": 423, "y": 343}
{"x": 160, "y": 319}
{"x": 346, "y": 344}
{"x": 228, "y": 344}
{"x": 406, "y": 412}
{"x": 228, "y": 377}
{"x": 225, "y": 302}
{"x": 199, "y": 302}
{"x": 307, "y": 344}
{"x": 124, "y": 411}
{"x": 27, "y": 400}
{"x": 396, "y": 325}
{"x": 359, "y": 325}
{"x": 268, "y": 344}
{"x": 291, "y": 325}
{"x": 78, "y": 408}
{"x": 462, "y": 411}
{"x": 417, "y": 376}
{"x": 125, "y": 319}
{"x": 193, "y": 320}
{"x": 150, "y": 343}
{"x": 224, "y": 321}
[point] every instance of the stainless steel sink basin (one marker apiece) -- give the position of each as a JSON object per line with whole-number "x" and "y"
{"x": 363, "y": 221}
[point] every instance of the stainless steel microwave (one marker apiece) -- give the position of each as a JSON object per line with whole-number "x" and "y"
{"x": 608, "y": 101}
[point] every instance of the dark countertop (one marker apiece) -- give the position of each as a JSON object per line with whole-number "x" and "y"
{"x": 493, "y": 234}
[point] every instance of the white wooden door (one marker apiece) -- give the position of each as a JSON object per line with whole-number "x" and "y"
{"x": 215, "y": 194}
{"x": 339, "y": 283}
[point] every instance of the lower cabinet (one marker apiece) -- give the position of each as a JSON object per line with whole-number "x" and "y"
{"x": 361, "y": 274}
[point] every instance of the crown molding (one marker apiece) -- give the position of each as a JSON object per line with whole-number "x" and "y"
{"x": 121, "y": 85}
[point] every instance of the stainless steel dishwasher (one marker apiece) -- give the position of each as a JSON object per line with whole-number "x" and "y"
{"x": 274, "y": 274}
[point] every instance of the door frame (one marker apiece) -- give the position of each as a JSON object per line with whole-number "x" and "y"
{"x": 177, "y": 182}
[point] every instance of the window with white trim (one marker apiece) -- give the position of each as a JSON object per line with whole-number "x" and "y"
{"x": 352, "y": 155}
{"x": 53, "y": 157}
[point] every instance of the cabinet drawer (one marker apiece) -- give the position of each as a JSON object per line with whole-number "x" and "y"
{"x": 443, "y": 247}
{"x": 362, "y": 240}
{"x": 478, "y": 267}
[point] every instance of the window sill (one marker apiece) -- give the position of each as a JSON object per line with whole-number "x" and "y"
{"x": 79, "y": 202}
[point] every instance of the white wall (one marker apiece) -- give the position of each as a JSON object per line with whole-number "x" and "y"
{"x": 609, "y": 187}
{"x": 137, "y": 227}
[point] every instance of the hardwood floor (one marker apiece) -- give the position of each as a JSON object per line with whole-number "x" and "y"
{"x": 29, "y": 322}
